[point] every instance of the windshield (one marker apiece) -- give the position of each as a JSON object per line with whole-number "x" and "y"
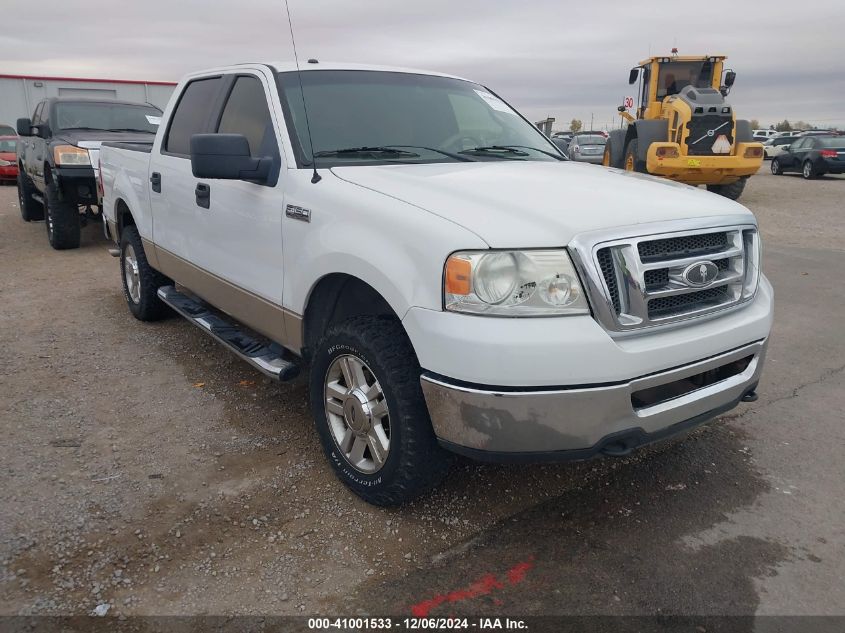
{"x": 7, "y": 145}
{"x": 7, "y": 130}
{"x": 387, "y": 117}
{"x": 833, "y": 141}
{"x": 591, "y": 139}
{"x": 674, "y": 76}
{"x": 106, "y": 116}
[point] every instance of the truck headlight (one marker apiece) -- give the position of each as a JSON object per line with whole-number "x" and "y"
{"x": 513, "y": 283}
{"x": 70, "y": 156}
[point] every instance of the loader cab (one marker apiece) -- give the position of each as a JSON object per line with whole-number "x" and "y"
{"x": 662, "y": 77}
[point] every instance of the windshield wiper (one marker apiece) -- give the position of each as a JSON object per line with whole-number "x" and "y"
{"x": 439, "y": 151}
{"x": 499, "y": 151}
{"x": 366, "y": 150}
{"x": 503, "y": 151}
{"x": 542, "y": 151}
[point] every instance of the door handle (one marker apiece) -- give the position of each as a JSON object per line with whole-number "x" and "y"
{"x": 203, "y": 195}
{"x": 155, "y": 179}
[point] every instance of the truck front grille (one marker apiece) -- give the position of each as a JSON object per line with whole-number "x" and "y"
{"x": 651, "y": 280}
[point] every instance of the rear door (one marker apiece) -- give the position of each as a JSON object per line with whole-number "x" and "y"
{"x": 799, "y": 152}
{"x": 787, "y": 157}
{"x": 239, "y": 237}
{"x": 172, "y": 184}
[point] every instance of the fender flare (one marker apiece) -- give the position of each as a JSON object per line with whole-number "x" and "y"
{"x": 646, "y": 133}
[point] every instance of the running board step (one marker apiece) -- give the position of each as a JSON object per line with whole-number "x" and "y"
{"x": 268, "y": 358}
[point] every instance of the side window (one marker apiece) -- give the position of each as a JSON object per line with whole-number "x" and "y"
{"x": 246, "y": 113}
{"x": 190, "y": 115}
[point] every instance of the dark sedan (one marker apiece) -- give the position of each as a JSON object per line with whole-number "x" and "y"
{"x": 812, "y": 156}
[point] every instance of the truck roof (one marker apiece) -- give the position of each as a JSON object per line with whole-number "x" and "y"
{"x": 682, "y": 58}
{"x": 305, "y": 66}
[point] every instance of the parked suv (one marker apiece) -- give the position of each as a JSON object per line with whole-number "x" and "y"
{"x": 449, "y": 281}
{"x": 57, "y": 159}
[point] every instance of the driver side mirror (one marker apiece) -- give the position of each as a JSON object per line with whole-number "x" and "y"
{"x": 227, "y": 157}
{"x": 730, "y": 78}
{"x": 24, "y": 126}
{"x": 633, "y": 76}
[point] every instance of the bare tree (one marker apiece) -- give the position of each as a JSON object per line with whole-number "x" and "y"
{"x": 575, "y": 125}
{"x": 755, "y": 124}
{"x": 784, "y": 126}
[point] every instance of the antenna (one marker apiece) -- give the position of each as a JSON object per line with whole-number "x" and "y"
{"x": 315, "y": 178}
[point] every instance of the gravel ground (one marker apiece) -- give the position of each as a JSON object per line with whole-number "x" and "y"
{"x": 147, "y": 469}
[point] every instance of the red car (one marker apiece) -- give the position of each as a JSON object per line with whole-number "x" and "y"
{"x": 8, "y": 160}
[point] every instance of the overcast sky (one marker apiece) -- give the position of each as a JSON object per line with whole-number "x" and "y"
{"x": 547, "y": 57}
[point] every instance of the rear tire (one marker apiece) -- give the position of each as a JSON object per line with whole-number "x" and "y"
{"x": 777, "y": 170}
{"x": 732, "y": 191}
{"x": 31, "y": 209}
{"x": 140, "y": 280}
{"x": 407, "y": 461}
{"x": 808, "y": 171}
{"x": 62, "y": 220}
{"x": 632, "y": 163}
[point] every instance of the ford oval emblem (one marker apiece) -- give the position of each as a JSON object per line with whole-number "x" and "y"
{"x": 700, "y": 273}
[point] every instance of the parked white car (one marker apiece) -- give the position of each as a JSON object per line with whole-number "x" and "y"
{"x": 762, "y": 135}
{"x": 447, "y": 279}
{"x": 777, "y": 145}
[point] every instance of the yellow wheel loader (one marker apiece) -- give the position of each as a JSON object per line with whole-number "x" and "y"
{"x": 685, "y": 130}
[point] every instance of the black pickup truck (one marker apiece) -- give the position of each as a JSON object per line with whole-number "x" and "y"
{"x": 57, "y": 156}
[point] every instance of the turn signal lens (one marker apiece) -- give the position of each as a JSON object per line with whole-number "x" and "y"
{"x": 753, "y": 152}
{"x": 69, "y": 155}
{"x": 667, "y": 152}
{"x": 458, "y": 275}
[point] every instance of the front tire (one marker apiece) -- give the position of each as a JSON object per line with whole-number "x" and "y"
{"x": 62, "y": 219}
{"x": 632, "y": 163}
{"x": 30, "y": 208}
{"x": 140, "y": 280}
{"x": 732, "y": 191}
{"x": 370, "y": 412}
{"x": 777, "y": 170}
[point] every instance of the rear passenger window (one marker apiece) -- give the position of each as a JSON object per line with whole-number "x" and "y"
{"x": 191, "y": 115}
{"x": 246, "y": 113}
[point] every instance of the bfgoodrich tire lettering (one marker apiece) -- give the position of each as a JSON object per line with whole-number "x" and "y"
{"x": 415, "y": 463}
{"x": 140, "y": 280}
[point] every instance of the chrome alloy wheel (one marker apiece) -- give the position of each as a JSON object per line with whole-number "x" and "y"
{"x": 130, "y": 273}
{"x": 356, "y": 411}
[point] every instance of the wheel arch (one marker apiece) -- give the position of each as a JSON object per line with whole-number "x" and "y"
{"x": 336, "y": 297}
{"x": 123, "y": 216}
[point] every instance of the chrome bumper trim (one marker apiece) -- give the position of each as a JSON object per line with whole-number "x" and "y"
{"x": 530, "y": 421}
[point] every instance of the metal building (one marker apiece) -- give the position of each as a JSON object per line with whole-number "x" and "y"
{"x": 19, "y": 94}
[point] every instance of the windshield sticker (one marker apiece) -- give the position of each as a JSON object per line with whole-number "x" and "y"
{"x": 153, "y": 120}
{"x": 494, "y": 102}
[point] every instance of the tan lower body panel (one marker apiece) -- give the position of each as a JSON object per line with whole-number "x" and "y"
{"x": 265, "y": 317}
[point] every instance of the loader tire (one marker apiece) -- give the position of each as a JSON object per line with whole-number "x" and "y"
{"x": 632, "y": 163}
{"x": 732, "y": 191}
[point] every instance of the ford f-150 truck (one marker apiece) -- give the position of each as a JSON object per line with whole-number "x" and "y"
{"x": 450, "y": 282}
{"x": 57, "y": 159}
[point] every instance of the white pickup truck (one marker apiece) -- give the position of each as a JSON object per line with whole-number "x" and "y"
{"x": 450, "y": 281}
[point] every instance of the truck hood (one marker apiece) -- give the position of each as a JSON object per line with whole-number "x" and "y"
{"x": 512, "y": 204}
{"x": 93, "y": 138}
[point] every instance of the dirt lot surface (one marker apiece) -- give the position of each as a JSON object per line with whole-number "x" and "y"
{"x": 146, "y": 468}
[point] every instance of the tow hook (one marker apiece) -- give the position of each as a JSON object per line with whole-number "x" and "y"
{"x": 751, "y": 396}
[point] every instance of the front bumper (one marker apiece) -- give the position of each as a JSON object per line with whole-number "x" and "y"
{"x": 77, "y": 184}
{"x": 703, "y": 170}
{"x": 578, "y": 423}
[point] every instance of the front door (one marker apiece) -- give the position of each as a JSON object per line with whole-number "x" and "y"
{"x": 239, "y": 236}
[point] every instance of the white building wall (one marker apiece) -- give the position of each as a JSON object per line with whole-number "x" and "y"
{"x": 20, "y": 95}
